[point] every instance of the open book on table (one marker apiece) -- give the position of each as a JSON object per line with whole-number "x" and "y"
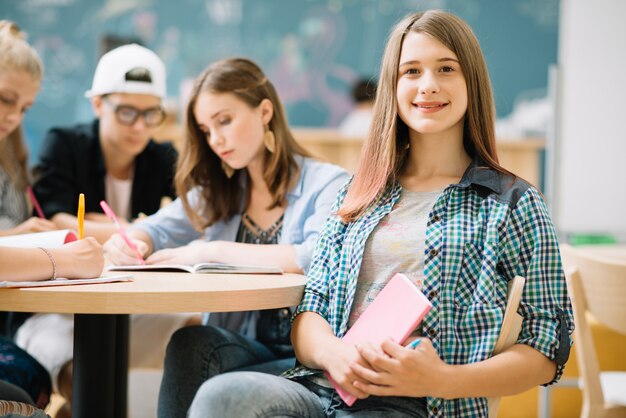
{"x": 48, "y": 239}
{"x": 395, "y": 313}
{"x": 202, "y": 268}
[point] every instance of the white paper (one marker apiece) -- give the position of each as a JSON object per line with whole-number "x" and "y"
{"x": 48, "y": 239}
{"x": 68, "y": 282}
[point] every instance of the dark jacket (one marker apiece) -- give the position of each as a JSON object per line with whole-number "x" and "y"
{"x": 71, "y": 162}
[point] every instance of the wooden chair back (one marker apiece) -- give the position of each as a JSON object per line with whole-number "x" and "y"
{"x": 511, "y": 327}
{"x": 597, "y": 286}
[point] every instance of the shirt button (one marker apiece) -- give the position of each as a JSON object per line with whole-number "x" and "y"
{"x": 435, "y": 409}
{"x": 432, "y": 295}
{"x": 436, "y": 218}
{"x": 434, "y": 252}
{"x": 432, "y": 332}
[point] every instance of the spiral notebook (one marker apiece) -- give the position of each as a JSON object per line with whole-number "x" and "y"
{"x": 394, "y": 313}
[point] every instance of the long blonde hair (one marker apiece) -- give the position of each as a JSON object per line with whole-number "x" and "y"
{"x": 16, "y": 55}
{"x": 384, "y": 150}
{"x": 199, "y": 166}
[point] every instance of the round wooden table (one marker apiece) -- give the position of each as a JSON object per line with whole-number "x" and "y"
{"x": 101, "y": 320}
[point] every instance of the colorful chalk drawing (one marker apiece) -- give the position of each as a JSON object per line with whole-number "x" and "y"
{"x": 312, "y": 50}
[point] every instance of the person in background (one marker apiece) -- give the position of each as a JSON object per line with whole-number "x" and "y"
{"x": 21, "y": 72}
{"x": 429, "y": 199}
{"x": 248, "y": 194}
{"x": 112, "y": 159}
{"x": 357, "y": 123}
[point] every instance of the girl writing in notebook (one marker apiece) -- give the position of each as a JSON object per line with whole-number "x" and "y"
{"x": 20, "y": 77}
{"x": 248, "y": 194}
{"x": 428, "y": 199}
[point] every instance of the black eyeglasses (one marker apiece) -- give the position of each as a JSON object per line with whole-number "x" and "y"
{"x": 128, "y": 115}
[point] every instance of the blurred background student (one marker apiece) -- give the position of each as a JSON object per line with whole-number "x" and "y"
{"x": 21, "y": 72}
{"x": 112, "y": 158}
{"x": 358, "y": 121}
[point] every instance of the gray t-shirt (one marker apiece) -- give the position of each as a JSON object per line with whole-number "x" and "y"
{"x": 395, "y": 246}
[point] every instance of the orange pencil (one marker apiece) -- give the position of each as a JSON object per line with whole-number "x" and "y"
{"x": 81, "y": 216}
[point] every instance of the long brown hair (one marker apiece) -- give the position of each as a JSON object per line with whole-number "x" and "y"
{"x": 199, "y": 166}
{"x": 16, "y": 55}
{"x": 384, "y": 150}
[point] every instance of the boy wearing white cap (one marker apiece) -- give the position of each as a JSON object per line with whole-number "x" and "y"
{"x": 112, "y": 159}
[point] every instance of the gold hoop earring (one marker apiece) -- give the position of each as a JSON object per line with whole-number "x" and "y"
{"x": 269, "y": 140}
{"x": 228, "y": 170}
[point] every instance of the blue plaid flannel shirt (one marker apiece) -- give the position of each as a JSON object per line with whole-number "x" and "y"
{"x": 481, "y": 233}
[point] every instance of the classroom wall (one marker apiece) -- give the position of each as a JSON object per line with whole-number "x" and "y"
{"x": 312, "y": 49}
{"x": 588, "y": 159}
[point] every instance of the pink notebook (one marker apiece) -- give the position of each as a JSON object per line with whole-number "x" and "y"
{"x": 395, "y": 313}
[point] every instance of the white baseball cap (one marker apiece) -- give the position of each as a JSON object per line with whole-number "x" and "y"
{"x": 129, "y": 69}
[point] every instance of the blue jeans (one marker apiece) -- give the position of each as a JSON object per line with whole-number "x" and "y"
{"x": 258, "y": 395}
{"x": 195, "y": 354}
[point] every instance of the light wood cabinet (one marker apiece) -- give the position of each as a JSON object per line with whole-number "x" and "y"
{"x": 520, "y": 156}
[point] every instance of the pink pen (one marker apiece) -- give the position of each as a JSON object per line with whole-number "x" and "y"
{"x": 33, "y": 199}
{"x": 111, "y": 215}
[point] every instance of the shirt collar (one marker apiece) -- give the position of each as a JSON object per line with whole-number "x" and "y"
{"x": 479, "y": 174}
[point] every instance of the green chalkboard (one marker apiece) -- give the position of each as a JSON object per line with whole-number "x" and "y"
{"x": 313, "y": 50}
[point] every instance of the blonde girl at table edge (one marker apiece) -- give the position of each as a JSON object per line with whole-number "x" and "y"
{"x": 248, "y": 194}
{"x": 21, "y": 72}
{"x": 428, "y": 164}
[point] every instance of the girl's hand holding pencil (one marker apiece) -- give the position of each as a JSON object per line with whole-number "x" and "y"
{"x": 122, "y": 234}
{"x": 413, "y": 344}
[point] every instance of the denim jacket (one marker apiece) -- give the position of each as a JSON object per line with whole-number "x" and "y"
{"x": 308, "y": 206}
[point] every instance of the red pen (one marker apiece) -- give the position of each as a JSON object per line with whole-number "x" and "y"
{"x": 111, "y": 215}
{"x": 34, "y": 201}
